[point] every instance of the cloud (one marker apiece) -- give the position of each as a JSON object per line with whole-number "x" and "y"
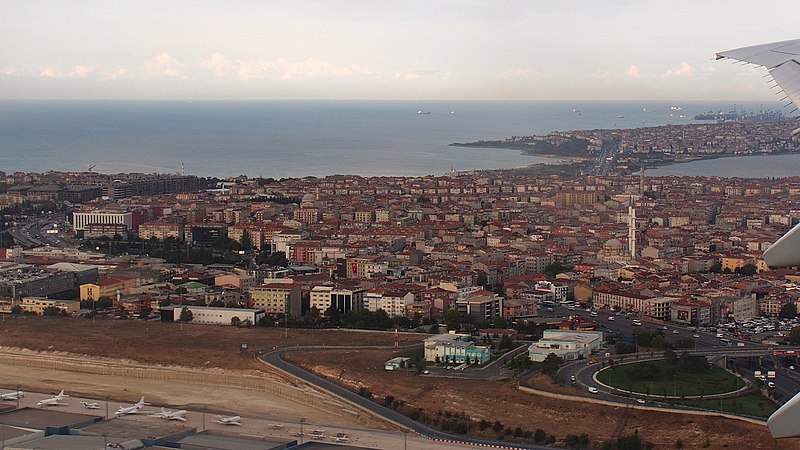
{"x": 315, "y": 68}
{"x": 632, "y": 72}
{"x": 519, "y": 73}
{"x": 682, "y": 70}
{"x": 118, "y": 74}
{"x": 48, "y": 72}
{"x": 11, "y": 71}
{"x": 81, "y": 71}
{"x": 165, "y": 65}
{"x": 222, "y": 66}
{"x": 218, "y": 64}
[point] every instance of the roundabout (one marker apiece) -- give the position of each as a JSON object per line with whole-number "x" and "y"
{"x": 670, "y": 379}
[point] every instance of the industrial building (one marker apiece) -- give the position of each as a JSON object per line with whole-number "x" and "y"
{"x": 212, "y": 315}
{"x": 455, "y": 348}
{"x": 568, "y": 345}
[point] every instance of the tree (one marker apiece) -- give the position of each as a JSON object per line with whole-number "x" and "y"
{"x": 105, "y": 302}
{"x": 16, "y": 309}
{"x": 333, "y": 314}
{"x": 246, "y": 242}
{"x": 506, "y": 342}
{"x": 312, "y": 315}
{"x": 551, "y": 363}
{"x": 748, "y": 269}
{"x": 482, "y": 280}
{"x": 236, "y": 321}
{"x": 788, "y": 311}
{"x": 794, "y": 336}
{"x": 52, "y": 311}
{"x": 452, "y": 319}
{"x": 186, "y": 315}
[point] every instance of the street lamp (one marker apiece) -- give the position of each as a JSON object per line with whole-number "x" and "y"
{"x": 302, "y": 421}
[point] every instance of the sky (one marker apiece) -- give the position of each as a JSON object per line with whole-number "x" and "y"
{"x": 410, "y": 49}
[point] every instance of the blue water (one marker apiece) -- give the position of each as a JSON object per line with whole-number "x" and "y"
{"x": 300, "y": 138}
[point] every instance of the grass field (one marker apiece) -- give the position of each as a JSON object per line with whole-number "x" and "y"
{"x": 751, "y": 405}
{"x": 667, "y": 378}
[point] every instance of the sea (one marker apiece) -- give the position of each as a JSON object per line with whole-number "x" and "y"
{"x": 317, "y": 138}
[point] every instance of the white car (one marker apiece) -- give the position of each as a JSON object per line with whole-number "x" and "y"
{"x": 593, "y": 390}
{"x": 611, "y": 318}
{"x": 675, "y": 331}
{"x": 695, "y": 336}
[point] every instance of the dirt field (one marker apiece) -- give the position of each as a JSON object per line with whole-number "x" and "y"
{"x": 168, "y": 343}
{"x": 205, "y": 346}
{"x": 493, "y": 400}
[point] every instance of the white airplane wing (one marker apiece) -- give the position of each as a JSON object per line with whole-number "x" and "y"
{"x": 781, "y": 59}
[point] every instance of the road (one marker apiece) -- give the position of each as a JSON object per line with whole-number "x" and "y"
{"x": 275, "y": 359}
{"x": 605, "y": 158}
{"x": 34, "y": 232}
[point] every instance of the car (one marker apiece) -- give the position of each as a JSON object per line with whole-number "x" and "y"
{"x": 695, "y": 336}
{"x": 640, "y": 400}
{"x": 675, "y": 331}
{"x": 593, "y": 390}
{"x": 719, "y": 335}
{"x": 611, "y": 318}
{"x": 572, "y": 378}
{"x": 426, "y": 372}
{"x": 664, "y": 327}
{"x": 771, "y": 385}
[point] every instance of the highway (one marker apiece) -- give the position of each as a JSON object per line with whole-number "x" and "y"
{"x": 605, "y": 158}
{"x": 33, "y": 232}
{"x": 275, "y": 359}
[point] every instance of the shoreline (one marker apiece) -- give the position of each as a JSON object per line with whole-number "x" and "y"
{"x": 567, "y": 160}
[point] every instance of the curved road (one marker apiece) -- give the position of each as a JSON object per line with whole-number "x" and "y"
{"x": 275, "y": 359}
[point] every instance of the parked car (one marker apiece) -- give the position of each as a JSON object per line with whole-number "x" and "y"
{"x": 593, "y": 390}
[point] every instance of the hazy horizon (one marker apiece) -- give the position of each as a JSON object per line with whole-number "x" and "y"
{"x": 450, "y": 50}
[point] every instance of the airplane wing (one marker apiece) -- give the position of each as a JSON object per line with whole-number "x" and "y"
{"x": 781, "y": 59}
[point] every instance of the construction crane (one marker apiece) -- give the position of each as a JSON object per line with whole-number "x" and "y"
{"x": 92, "y": 166}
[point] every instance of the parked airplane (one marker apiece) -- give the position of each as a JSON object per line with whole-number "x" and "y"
{"x": 92, "y": 405}
{"x": 230, "y": 420}
{"x": 11, "y": 396}
{"x": 133, "y": 409}
{"x": 55, "y": 401}
{"x": 171, "y": 415}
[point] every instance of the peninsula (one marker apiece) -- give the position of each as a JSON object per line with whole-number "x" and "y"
{"x": 626, "y": 150}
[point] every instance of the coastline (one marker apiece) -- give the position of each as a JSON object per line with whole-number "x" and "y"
{"x": 648, "y": 164}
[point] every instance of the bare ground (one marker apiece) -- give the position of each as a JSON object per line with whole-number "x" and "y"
{"x": 204, "y": 346}
{"x": 501, "y": 400}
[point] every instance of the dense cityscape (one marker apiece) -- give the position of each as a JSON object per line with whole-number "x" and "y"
{"x": 499, "y": 258}
{"x": 420, "y": 225}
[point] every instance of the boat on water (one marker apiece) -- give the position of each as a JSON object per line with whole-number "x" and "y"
{"x": 620, "y": 116}
{"x": 423, "y": 112}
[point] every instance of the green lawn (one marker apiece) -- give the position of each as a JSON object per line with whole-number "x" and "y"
{"x": 669, "y": 378}
{"x": 751, "y": 405}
